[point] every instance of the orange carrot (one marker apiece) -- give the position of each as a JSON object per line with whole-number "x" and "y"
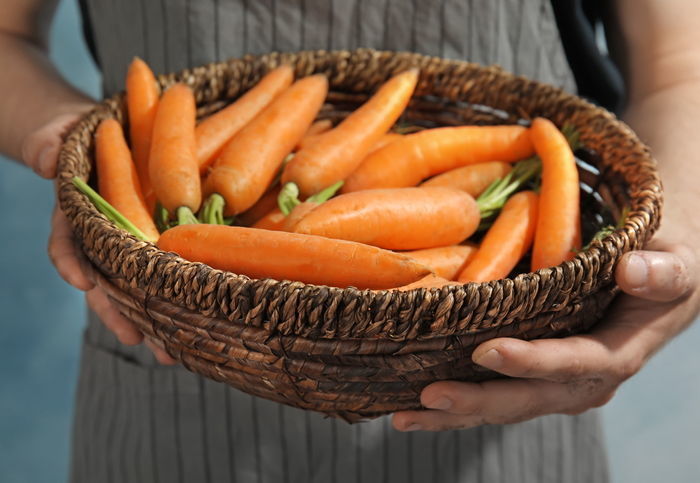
{"x": 291, "y": 210}
{"x": 447, "y": 261}
{"x": 312, "y": 134}
{"x": 118, "y": 182}
{"x": 142, "y": 94}
{"x": 250, "y": 160}
{"x": 273, "y": 220}
{"x": 408, "y": 161}
{"x": 398, "y": 219}
{"x": 173, "y": 166}
{"x": 319, "y": 127}
{"x": 338, "y": 152}
{"x": 215, "y": 131}
{"x": 291, "y": 256}
{"x": 388, "y": 138}
{"x": 276, "y": 220}
{"x": 472, "y": 179}
{"x": 558, "y": 232}
{"x": 506, "y": 242}
{"x": 299, "y": 212}
{"x": 383, "y": 141}
{"x": 261, "y": 208}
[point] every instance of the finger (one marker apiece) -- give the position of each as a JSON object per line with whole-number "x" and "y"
{"x": 125, "y": 331}
{"x": 558, "y": 360}
{"x": 63, "y": 253}
{"x": 430, "y": 420}
{"x": 660, "y": 276}
{"x": 461, "y": 405}
{"x": 40, "y": 149}
{"x": 159, "y": 353}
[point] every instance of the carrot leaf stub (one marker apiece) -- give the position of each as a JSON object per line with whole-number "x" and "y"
{"x": 108, "y": 210}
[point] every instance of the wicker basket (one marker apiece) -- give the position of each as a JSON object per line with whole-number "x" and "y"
{"x": 344, "y": 352}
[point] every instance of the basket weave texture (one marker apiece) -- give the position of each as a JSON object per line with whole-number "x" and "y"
{"x": 345, "y": 352}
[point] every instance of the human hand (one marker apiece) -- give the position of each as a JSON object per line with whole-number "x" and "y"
{"x": 571, "y": 375}
{"x": 40, "y": 152}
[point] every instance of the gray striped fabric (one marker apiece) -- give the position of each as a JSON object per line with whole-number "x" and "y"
{"x": 136, "y": 421}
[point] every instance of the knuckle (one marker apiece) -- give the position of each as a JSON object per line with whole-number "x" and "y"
{"x": 603, "y": 399}
{"x": 530, "y": 408}
{"x": 575, "y": 368}
{"x": 465, "y": 406}
{"x": 586, "y": 388}
{"x": 627, "y": 368}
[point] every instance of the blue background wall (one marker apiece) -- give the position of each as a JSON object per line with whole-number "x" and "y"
{"x": 653, "y": 424}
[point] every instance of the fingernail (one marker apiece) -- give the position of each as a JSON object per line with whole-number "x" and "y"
{"x": 492, "y": 359}
{"x": 442, "y": 404}
{"x": 637, "y": 271}
{"x": 413, "y": 427}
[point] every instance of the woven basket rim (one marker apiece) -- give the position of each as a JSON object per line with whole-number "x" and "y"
{"x": 638, "y": 224}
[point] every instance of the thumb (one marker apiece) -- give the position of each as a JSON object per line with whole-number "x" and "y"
{"x": 660, "y": 276}
{"x": 40, "y": 149}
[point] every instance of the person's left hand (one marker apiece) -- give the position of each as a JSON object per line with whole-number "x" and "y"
{"x": 573, "y": 374}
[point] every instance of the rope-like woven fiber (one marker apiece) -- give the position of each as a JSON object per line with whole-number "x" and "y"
{"x": 346, "y": 352}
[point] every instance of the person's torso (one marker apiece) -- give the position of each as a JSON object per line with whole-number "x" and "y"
{"x": 138, "y": 421}
{"x": 519, "y": 35}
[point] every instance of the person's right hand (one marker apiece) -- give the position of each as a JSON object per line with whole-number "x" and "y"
{"x": 40, "y": 152}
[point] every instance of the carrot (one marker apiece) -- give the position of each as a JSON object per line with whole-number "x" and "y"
{"x": 312, "y": 134}
{"x": 142, "y": 94}
{"x": 558, "y": 232}
{"x": 506, "y": 242}
{"x": 472, "y": 179}
{"x": 383, "y": 141}
{"x": 388, "y": 138}
{"x": 261, "y": 208}
{"x": 447, "y": 261}
{"x": 291, "y": 210}
{"x": 250, "y": 160}
{"x": 277, "y": 220}
{"x": 408, "y": 161}
{"x": 338, "y": 152}
{"x": 273, "y": 220}
{"x": 215, "y": 131}
{"x": 291, "y": 256}
{"x": 398, "y": 219}
{"x": 319, "y": 127}
{"x": 118, "y": 182}
{"x": 173, "y": 164}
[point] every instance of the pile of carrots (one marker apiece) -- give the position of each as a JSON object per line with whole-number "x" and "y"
{"x": 380, "y": 209}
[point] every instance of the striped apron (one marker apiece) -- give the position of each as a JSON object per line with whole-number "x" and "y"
{"x": 136, "y": 421}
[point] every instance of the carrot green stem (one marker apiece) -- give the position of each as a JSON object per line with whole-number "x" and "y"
{"x": 108, "y": 210}
{"x": 288, "y": 199}
{"x": 326, "y": 194}
{"x": 162, "y": 218}
{"x": 492, "y": 200}
{"x": 213, "y": 210}
{"x": 185, "y": 216}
